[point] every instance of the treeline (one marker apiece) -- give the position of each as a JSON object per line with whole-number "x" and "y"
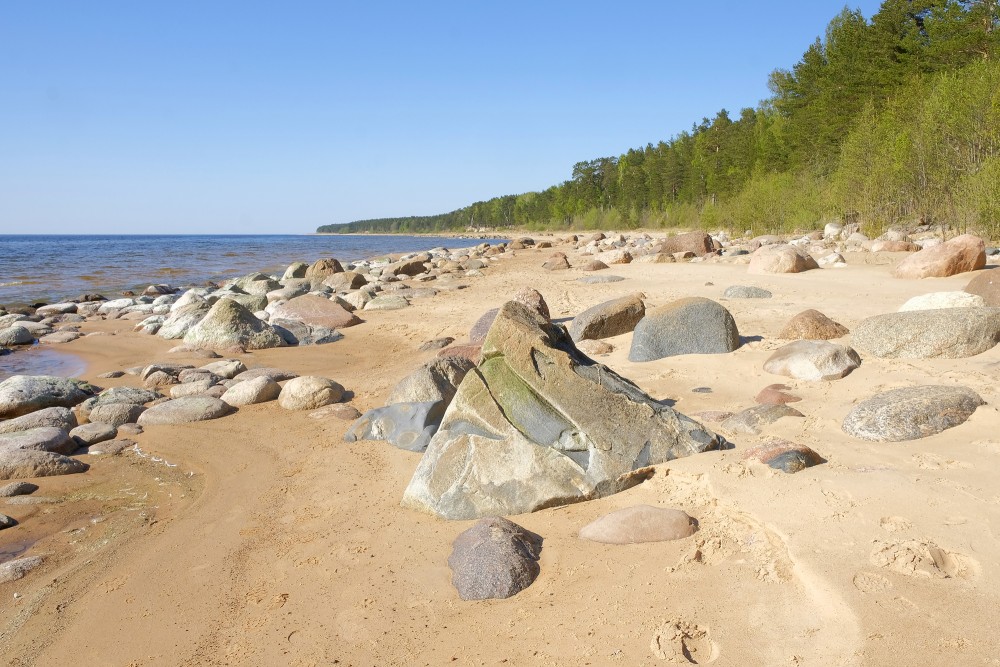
{"x": 883, "y": 121}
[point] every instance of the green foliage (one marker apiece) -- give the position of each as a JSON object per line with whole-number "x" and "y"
{"x": 885, "y": 120}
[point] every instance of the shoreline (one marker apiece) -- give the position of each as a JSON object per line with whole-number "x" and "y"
{"x": 287, "y": 530}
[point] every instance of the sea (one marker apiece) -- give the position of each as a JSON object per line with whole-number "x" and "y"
{"x": 44, "y": 268}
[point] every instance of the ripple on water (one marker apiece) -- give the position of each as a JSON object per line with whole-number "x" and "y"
{"x": 40, "y": 360}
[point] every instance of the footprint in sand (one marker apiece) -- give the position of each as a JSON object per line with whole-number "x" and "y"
{"x": 682, "y": 643}
{"x": 921, "y": 558}
{"x": 869, "y": 582}
{"x": 935, "y": 462}
{"x": 893, "y": 524}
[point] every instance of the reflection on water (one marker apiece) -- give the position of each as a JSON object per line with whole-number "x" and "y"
{"x": 41, "y": 360}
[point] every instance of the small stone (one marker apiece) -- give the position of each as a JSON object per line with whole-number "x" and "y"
{"x": 783, "y": 455}
{"x": 600, "y": 280}
{"x": 112, "y": 374}
{"x": 775, "y": 394}
{"x": 112, "y": 447}
{"x": 746, "y": 292}
{"x": 638, "y": 524}
{"x": 595, "y": 347}
{"x": 812, "y": 325}
{"x": 337, "y": 411}
{"x": 436, "y": 344}
{"x": 495, "y": 558}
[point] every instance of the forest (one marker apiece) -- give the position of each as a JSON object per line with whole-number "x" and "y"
{"x": 883, "y": 121}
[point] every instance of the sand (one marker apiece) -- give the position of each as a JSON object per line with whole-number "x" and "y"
{"x": 264, "y": 539}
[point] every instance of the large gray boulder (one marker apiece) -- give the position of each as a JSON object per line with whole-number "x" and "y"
{"x": 611, "y": 318}
{"x": 27, "y": 463}
{"x": 21, "y": 394}
{"x": 436, "y": 380}
{"x": 16, "y": 335}
{"x": 183, "y": 317}
{"x": 407, "y": 426}
{"x": 949, "y": 333}
{"x": 41, "y": 439}
{"x": 495, "y": 558}
{"x": 812, "y": 360}
{"x": 59, "y": 417}
{"x": 185, "y": 410}
{"x": 538, "y": 424}
{"x": 296, "y": 333}
{"x": 230, "y": 325}
{"x": 116, "y": 414}
{"x": 694, "y": 325}
{"x": 911, "y": 412}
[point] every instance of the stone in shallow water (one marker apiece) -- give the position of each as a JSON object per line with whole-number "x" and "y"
{"x": 910, "y": 413}
{"x": 783, "y": 455}
{"x": 495, "y": 558}
{"x": 538, "y": 424}
{"x": 642, "y": 523}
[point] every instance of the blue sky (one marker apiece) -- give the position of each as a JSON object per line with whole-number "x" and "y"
{"x": 250, "y": 117}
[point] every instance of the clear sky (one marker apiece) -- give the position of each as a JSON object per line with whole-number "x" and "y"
{"x": 253, "y": 117}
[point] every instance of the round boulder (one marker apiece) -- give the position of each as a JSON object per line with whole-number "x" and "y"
{"x": 309, "y": 392}
{"x": 694, "y": 325}
{"x": 812, "y": 360}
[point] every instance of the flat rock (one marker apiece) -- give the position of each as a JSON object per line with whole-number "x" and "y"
{"x": 987, "y": 285}
{"x": 775, "y": 394}
{"x": 299, "y": 334}
{"x": 752, "y": 420}
{"x": 229, "y": 325}
{"x": 472, "y": 352}
{"x": 309, "y": 392}
{"x": 28, "y": 463}
{"x": 638, "y": 524}
{"x": 435, "y": 344}
{"x": 495, "y": 558}
{"x": 13, "y": 570}
{"x": 185, "y": 410}
{"x": 780, "y": 259}
{"x": 276, "y": 374}
{"x": 812, "y": 325}
{"x": 693, "y": 325}
{"x": 939, "y": 300}
{"x": 746, "y": 292}
{"x": 387, "y": 302}
{"x": 315, "y": 311}
{"x": 783, "y": 455}
{"x": 22, "y": 394}
{"x": 58, "y": 417}
{"x": 600, "y": 280}
{"x": 337, "y": 411}
{"x": 93, "y": 433}
{"x": 249, "y": 392}
{"x": 595, "y": 347}
{"x": 407, "y": 426}
{"x": 949, "y": 333}
{"x": 112, "y": 447}
{"x": 962, "y": 253}
{"x": 436, "y": 380}
{"x": 477, "y": 334}
{"x": 17, "y": 489}
{"x": 225, "y": 368}
{"x": 538, "y": 424}
{"x": 910, "y": 413}
{"x": 41, "y": 439}
{"x": 812, "y": 360}
{"x": 611, "y": 318}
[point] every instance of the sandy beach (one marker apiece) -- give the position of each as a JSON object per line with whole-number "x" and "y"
{"x": 264, "y": 538}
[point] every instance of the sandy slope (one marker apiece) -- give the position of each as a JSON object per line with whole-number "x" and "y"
{"x": 272, "y": 542}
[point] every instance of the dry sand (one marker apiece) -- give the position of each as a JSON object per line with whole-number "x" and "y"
{"x": 264, "y": 539}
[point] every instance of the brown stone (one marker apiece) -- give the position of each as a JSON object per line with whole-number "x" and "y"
{"x": 322, "y": 268}
{"x": 986, "y": 285}
{"x": 557, "y": 262}
{"x": 696, "y": 243}
{"x": 960, "y": 254}
{"x": 894, "y": 246}
{"x": 775, "y": 394}
{"x": 812, "y": 325}
{"x": 315, "y": 311}
{"x": 471, "y": 352}
{"x": 780, "y": 259}
{"x": 783, "y": 455}
{"x": 594, "y": 265}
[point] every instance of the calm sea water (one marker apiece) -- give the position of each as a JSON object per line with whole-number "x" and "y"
{"x": 50, "y": 268}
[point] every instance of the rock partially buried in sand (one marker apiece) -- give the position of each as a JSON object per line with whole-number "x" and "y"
{"x": 987, "y": 285}
{"x": 694, "y": 325}
{"x": 230, "y": 325}
{"x": 309, "y": 392}
{"x": 436, "y": 380}
{"x": 116, "y": 414}
{"x": 407, "y": 426}
{"x": 950, "y": 333}
{"x": 495, "y": 558}
{"x": 782, "y": 455}
{"x": 13, "y": 570}
{"x": 17, "y": 489}
{"x": 910, "y": 413}
{"x": 538, "y": 424}
{"x": 315, "y": 311}
{"x": 746, "y": 292}
{"x": 26, "y": 463}
{"x": 642, "y": 523}
{"x": 960, "y": 254}
{"x": 812, "y": 325}
{"x": 557, "y": 262}
{"x": 22, "y": 394}
{"x": 938, "y": 300}
{"x": 185, "y": 410}
{"x": 41, "y": 439}
{"x": 752, "y": 420}
{"x": 93, "y": 433}
{"x": 775, "y": 394}
{"x": 813, "y": 360}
